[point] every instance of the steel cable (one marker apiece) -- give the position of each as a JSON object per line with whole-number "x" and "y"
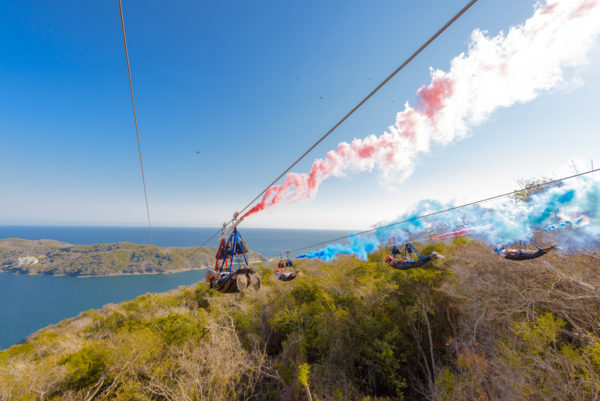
{"x": 363, "y": 101}
{"x": 137, "y": 133}
{"x": 442, "y": 211}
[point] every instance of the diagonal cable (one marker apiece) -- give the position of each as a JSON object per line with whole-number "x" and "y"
{"x": 442, "y": 211}
{"x": 363, "y": 101}
{"x": 137, "y": 132}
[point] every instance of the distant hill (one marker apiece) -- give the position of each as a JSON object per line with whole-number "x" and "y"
{"x": 59, "y": 258}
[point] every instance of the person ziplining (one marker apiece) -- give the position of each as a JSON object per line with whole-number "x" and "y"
{"x": 285, "y": 270}
{"x": 518, "y": 251}
{"x": 409, "y": 257}
{"x": 232, "y": 273}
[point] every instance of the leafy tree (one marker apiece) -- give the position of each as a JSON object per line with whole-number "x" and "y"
{"x": 85, "y": 366}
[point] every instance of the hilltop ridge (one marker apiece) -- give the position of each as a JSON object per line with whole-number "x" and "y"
{"x": 472, "y": 326}
{"x": 60, "y": 258}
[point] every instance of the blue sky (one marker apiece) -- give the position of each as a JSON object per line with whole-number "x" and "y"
{"x": 241, "y": 83}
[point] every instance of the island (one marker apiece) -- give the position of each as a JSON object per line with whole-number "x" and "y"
{"x": 57, "y": 258}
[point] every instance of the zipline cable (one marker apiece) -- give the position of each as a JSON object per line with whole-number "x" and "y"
{"x": 221, "y": 231}
{"x": 444, "y": 211}
{"x": 137, "y": 133}
{"x": 385, "y": 81}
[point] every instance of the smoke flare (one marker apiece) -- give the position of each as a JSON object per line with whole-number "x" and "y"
{"x": 570, "y": 210}
{"x": 495, "y": 72}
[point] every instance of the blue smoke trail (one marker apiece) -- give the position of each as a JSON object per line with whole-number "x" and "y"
{"x": 570, "y": 210}
{"x": 360, "y": 246}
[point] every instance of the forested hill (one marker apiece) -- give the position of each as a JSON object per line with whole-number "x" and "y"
{"x": 59, "y": 258}
{"x": 472, "y": 326}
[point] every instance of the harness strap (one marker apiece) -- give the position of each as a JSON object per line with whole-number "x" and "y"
{"x": 409, "y": 248}
{"x": 536, "y": 245}
{"x": 219, "y": 253}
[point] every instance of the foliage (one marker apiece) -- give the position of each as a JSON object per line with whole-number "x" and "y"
{"x": 16, "y": 351}
{"x": 85, "y": 366}
{"x": 539, "y": 335}
{"x": 303, "y": 372}
{"x": 530, "y": 187}
{"x": 177, "y": 328}
{"x": 470, "y": 327}
{"x": 59, "y": 258}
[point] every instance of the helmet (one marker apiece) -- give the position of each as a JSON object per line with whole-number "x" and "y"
{"x": 388, "y": 258}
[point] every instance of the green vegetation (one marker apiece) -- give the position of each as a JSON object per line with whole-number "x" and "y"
{"x": 472, "y": 326}
{"x": 530, "y": 187}
{"x": 59, "y": 258}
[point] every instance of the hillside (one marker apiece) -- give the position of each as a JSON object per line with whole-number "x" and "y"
{"x": 59, "y": 258}
{"x": 472, "y": 326}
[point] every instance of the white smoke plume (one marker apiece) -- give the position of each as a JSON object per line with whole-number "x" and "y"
{"x": 497, "y": 71}
{"x": 570, "y": 210}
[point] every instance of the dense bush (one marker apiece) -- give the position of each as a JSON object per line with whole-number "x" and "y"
{"x": 85, "y": 366}
{"x": 472, "y": 326}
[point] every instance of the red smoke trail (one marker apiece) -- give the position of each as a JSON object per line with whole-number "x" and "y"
{"x": 302, "y": 186}
{"x": 458, "y": 233}
{"x": 495, "y": 72}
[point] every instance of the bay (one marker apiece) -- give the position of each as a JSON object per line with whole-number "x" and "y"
{"x": 268, "y": 242}
{"x": 29, "y": 303}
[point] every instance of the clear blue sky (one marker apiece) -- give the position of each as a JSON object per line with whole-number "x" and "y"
{"x": 241, "y": 83}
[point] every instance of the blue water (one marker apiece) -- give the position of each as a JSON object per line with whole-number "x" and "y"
{"x": 29, "y": 303}
{"x": 269, "y": 242}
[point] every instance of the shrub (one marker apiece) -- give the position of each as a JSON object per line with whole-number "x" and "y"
{"x": 540, "y": 334}
{"x": 303, "y": 372}
{"x": 459, "y": 241}
{"x": 85, "y": 366}
{"x": 177, "y": 328}
{"x": 16, "y": 350}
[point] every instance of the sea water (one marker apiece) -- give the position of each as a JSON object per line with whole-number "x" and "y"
{"x": 29, "y": 303}
{"x": 268, "y": 242}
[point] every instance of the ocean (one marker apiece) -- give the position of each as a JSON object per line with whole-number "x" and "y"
{"x": 269, "y": 242}
{"x": 29, "y": 303}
